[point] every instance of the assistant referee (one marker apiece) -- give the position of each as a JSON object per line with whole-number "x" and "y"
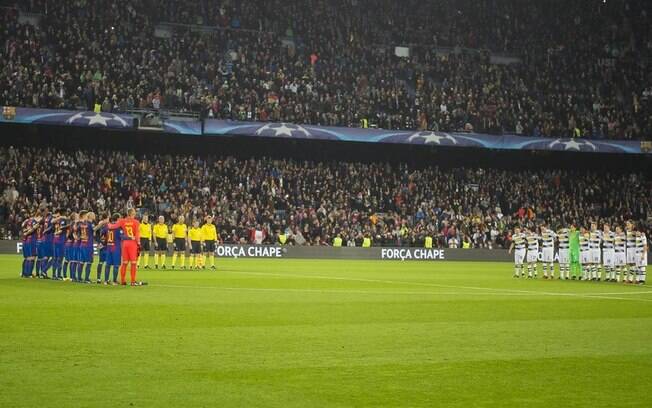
{"x": 160, "y": 242}
{"x": 145, "y": 229}
{"x": 210, "y": 237}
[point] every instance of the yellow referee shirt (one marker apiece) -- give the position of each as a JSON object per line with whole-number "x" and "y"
{"x": 160, "y": 231}
{"x": 195, "y": 234}
{"x": 145, "y": 230}
{"x": 179, "y": 231}
{"x": 209, "y": 232}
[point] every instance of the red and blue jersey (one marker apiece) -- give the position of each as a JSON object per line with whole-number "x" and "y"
{"x": 76, "y": 233}
{"x": 29, "y": 237}
{"x": 86, "y": 233}
{"x": 60, "y": 231}
{"x": 113, "y": 239}
{"x": 103, "y": 235}
{"x": 70, "y": 235}
{"x": 44, "y": 231}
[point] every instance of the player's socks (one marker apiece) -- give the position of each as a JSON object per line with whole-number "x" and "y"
{"x": 133, "y": 272}
{"x": 107, "y": 272}
{"x": 163, "y": 260}
{"x": 87, "y": 277}
{"x": 99, "y": 271}
{"x": 146, "y": 260}
{"x": 212, "y": 257}
{"x": 191, "y": 261}
{"x": 115, "y": 273}
{"x": 156, "y": 257}
{"x": 174, "y": 260}
{"x": 123, "y": 273}
{"x": 183, "y": 260}
{"x": 64, "y": 268}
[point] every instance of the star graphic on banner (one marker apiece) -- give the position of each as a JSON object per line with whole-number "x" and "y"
{"x": 99, "y": 119}
{"x": 432, "y": 137}
{"x": 284, "y": 129}
{"x": 96, "y": 118}
{"x": 573, "y": 144}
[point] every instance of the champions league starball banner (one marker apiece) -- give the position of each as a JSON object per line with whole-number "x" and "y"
{"x": 428, "y": 138}
{"x": 66, "y": 118}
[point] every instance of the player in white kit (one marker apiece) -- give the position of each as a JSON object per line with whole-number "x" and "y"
{"x": 595, "y": 239}
{"x": 630, "y": 253}
{"x": 564, "y": 253}
{"x": 585, "y": 254}
{"x": 608, "y": 253}
{"x": 548, "y": 251}
{"x": 641, "y": 257}
{"x": 518, "y": 246}
{"x": 532, "y": 253}
{"x": 620, "y": 261}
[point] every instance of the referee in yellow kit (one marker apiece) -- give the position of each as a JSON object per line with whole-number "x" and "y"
{"x": 210, "y": 237}
{"x": 180, "y": 234}
{"x": 161, "y": 231}
{"x": 145, "y": 239}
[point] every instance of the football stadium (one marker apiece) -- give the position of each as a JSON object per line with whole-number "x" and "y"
{"x": 316, "y": 203}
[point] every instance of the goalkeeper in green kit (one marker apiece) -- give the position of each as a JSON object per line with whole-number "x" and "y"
{"x": 574, "y": 244}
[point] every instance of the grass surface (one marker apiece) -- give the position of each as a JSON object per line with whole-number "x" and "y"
{"x": 290, "y": 333}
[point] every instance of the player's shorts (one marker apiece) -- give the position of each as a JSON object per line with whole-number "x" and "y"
{"x": 102, "y": 252}
{"x": 519, "y": 256}
{"x": 596, "y": 256}
{"x": 44, "y": 249}
{"x": 75, "y": 252}
{"x": 209, "y": 246}
{"x": 59, "y": 249}
{"x": 195, "y": 247}
{"x": 129, "y": 251}
{"x": 585, "y": 257}
{"x": 564, "y": 256}
{"x": 179, "y": 244}
{"x": 548, "y": 255}
{"x": 161, "y": 244}
{"x": 532, "y": 256}
{"x": 641, "y": 260}
{"x": 145, "y": 244}
{"x": 619, "y": 259}
{"x": 631, "y": 256}
{"x": 28, "y": 249}
{"x": 609, "y": 258}
{"x": 114, "y": 258}
{"x": 86, "y": 254}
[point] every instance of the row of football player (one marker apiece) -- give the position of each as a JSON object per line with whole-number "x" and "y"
{"x": 593, "y": 254}
{"x": 64, "y": 243}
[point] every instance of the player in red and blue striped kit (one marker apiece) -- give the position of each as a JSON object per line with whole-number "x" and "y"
{"x": 59, "y": 242}
{"x": 44, "y": 244}
{"x": 86, "y": 232}
{"x": 75, "y": 264}
{"x": 102, "y": 246}
{"x": 28, "y": 232}
{"x": 113, "y": 251}
{"x": 68, "y": 246}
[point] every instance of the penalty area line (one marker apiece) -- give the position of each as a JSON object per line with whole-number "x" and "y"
{"x": 436, "y": 285}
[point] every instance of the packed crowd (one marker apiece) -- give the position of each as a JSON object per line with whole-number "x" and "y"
{"x": 584, "y": 66}
{"x": 312, "y": 203}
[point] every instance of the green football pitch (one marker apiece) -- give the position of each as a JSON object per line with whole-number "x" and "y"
{"x": 291, "y": 333}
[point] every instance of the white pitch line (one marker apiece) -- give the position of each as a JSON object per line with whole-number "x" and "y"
{"x": 392, "y": 282}
{"x": 345, "y": 291}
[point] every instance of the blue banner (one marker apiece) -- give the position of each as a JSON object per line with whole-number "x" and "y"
{"x": 184, "y": 127}
{"x": 449, "y": 139}
{"x": 66, "y": 118}
{"x": 216, "y": 127}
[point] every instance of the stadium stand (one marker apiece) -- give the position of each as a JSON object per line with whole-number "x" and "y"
{"x": 553, "y": 68}
{"x": 394, "y": 204}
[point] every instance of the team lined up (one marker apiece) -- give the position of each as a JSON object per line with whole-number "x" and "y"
{"x": 614, "y": 256}
{"x": 65, "y": 244}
